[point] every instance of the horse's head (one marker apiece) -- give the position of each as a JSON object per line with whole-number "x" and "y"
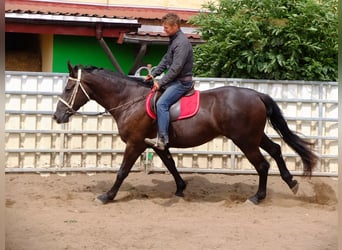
{"x": 73, "y": 97}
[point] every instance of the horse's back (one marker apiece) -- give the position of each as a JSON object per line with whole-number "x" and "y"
{"x": 232, "y": 97}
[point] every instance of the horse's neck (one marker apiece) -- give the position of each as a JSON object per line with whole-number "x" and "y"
{"x": 115, "y": 96}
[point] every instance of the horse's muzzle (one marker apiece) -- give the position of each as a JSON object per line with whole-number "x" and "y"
{"x": 61, "y": 118}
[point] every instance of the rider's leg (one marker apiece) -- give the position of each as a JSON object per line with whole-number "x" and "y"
{"x": 173, "y": 92}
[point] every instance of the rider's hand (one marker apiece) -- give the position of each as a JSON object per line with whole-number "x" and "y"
{"x": 148, "y": 77}
{"x": 156, "y": 86}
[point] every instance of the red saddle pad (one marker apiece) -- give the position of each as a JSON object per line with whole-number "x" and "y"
{"x": 189, "y": 106}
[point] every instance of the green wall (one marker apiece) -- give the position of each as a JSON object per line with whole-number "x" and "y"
{"x": 88, "y": 51}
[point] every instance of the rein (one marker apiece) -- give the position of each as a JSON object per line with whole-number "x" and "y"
{"x": 128, "y": 103}
{"x": 71, "y": 102}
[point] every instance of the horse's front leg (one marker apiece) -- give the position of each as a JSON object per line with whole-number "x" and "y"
{"x": 167, "y": 159}
{"x": 132, "y": 152}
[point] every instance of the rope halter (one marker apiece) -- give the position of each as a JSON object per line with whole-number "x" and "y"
{"x": 72, "y": 99}
{"x": 78, "y": 85}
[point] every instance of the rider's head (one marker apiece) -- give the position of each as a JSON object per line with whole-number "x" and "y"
{"x": 171, "y": 23}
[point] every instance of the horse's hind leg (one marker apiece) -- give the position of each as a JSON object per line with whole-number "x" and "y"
{"x": 275, "y": 152}
{"x": 167, "y": 159}
{"x": 255, "y": 157}
{"x": 261, "y": 166}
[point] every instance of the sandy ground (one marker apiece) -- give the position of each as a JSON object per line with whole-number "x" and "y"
{"x": 59, "y": 212}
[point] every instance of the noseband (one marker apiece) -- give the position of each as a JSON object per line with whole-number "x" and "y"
{"x": 72, "y": 99}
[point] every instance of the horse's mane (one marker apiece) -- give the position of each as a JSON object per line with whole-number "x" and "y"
{"x": 141, "y": 81}
{"x": 111, "y": 74}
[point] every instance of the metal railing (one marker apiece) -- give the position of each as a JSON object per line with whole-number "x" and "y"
{"x": 34, "y": 142}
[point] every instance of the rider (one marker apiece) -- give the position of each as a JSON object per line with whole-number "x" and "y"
{"x": 178, "y": 61}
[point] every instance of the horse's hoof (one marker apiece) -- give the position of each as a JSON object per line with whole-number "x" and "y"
{"x": 179, "y": 194}
{"x": 103, "y": 198}
{"x": 249, "y": 202}
{"x": 180, "y": 189}
{"x": 294, "y": 186}
{"x": 254, "y": 199}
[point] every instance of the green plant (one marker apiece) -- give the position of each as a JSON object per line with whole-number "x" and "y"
{"x": 267, "y": 39}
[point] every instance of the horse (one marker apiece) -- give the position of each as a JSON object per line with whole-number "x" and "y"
{"x": 240, "y": 114}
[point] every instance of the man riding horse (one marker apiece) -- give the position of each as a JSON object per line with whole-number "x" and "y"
{"x": 178, "y": 60}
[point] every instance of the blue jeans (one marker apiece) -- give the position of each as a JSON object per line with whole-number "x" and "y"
{"x": 174, "y": 91}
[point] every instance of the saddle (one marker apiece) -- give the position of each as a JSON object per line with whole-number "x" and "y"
{"x": 186, "y": 107}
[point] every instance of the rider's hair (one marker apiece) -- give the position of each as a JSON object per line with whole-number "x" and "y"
{"x": 171, "y": 19}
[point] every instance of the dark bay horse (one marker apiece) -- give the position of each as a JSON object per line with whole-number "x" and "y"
{"x": 240, "y": 114}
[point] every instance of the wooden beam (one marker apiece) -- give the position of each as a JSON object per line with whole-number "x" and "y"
{"x": 138, "y": 58}
{"x": 105, "y": 47}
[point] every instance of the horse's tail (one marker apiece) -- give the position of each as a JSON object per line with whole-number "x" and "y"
{"x": 299, "y": 145}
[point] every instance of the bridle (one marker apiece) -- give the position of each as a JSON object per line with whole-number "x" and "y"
{"x": 78, "y": 86}
{"x": 72, "y": 99}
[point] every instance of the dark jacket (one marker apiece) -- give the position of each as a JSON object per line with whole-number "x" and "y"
{"x": 178, "y": 60}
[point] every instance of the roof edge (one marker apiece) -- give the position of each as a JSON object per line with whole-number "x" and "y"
{"x": 69, "y": 18}
{"x": 58, "y": 2}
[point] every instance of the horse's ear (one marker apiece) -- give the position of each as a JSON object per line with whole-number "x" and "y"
{"x": 71, "y": 70}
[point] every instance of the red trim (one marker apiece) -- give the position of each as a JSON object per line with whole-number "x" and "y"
{"x": 147, "y": 106}
{"x": 62, "y": 29}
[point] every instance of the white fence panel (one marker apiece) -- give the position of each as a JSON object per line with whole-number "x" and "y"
{"x": 34, "y": 142}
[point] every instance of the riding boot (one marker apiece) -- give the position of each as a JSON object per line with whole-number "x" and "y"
{"x": 158, "y": 142}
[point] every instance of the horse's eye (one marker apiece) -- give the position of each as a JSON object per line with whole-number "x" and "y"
{"x": 70, "y": 85}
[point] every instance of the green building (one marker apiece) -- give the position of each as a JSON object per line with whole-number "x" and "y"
{"x": 45, "y": 35}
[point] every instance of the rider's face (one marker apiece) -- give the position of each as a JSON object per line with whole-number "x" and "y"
{"x": 169, "y": 29}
